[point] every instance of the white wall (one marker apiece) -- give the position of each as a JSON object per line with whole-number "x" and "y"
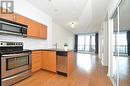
{"x": 61, "y": 36}
{"x": 103, "y": 43}
{"x": 100, "y": 43}
{"x": 24, "y": 8}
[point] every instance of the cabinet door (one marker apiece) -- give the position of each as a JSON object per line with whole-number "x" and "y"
{"x": 36, "y": 61}
{"x": 71, "y": 62}
{"x": 43, "y": 31}
{"x": 33, "y": 30}
{"x": 44, "y": 59}
{"x": 20, "y": 19}
{"x": 49, "y": 61}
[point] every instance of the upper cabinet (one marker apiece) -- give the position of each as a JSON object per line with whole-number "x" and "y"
{"x": 20, "y": 19}
{"x": 10, "y": 17}
{"x": 43, "y": 31}
{"x": 35, "y": 29}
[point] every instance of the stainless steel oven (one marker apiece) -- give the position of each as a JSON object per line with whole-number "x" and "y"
{"x": 15, "y": 64}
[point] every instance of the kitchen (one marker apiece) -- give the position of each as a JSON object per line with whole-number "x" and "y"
{"x": 34, "y": 47}
{"x": 54, "y": 43}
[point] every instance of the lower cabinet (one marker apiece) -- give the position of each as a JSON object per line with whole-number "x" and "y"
{"x": 71, "y": 63}
{"x": 49, "y": 60}
{"x": 36, "y": 61}
{"x": 44, "y": 60}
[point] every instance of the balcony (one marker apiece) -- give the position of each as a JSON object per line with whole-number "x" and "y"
{"x": 122, "y": 50}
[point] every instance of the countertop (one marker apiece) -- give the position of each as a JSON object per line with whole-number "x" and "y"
{"x": 52, "y": 49}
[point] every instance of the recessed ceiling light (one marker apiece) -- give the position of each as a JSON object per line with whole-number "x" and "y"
{"x": 56, "y": 10}
{"x": 49, "y": 0}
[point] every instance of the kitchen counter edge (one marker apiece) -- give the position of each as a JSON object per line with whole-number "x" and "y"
{"x": 52, "y": 50}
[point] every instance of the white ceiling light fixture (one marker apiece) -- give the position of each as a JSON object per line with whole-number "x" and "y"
{"x": 72, "y": 25}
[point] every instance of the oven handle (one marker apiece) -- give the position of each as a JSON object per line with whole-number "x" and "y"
{"x": 16, "y": 55}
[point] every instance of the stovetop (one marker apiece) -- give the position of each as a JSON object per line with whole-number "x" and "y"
{"x": 12, "y": 48}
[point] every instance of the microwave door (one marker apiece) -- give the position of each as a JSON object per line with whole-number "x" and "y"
{"x": 10, "y": 29}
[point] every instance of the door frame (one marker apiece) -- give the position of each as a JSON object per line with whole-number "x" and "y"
{"x": 110, "y": 66}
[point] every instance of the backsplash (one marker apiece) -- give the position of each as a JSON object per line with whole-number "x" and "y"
{"x": 29, "y": 43}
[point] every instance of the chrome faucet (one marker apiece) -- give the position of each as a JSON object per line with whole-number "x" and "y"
{"x": 55, "y": 45}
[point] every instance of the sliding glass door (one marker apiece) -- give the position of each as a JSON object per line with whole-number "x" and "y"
{"x": 116, "y": 47}
{"x": 124, "y": 61}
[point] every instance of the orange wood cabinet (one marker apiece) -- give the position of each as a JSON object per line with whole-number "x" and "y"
{"x": 71, "y": 62}
{"x": 10, "y": 17}
{"x": 49, "y": 60}
{"x": 36, "y": 60}
{"x": 20, "y": 19}
{"x": 35, "y": 29}
{"x": 43, "y": 31}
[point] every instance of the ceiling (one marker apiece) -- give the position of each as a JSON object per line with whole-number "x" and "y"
{"x": 86, "y": 14}
{"x": 125, "y": 15}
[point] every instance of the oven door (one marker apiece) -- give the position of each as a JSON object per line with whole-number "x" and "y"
{"x": 15, "y": 63}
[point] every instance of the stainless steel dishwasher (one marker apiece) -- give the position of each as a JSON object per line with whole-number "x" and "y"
{"x": 62, "y": 62}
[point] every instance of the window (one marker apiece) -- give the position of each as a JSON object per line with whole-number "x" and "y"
{"x": 86, "y": 42}
{"x": 122, "y": 43}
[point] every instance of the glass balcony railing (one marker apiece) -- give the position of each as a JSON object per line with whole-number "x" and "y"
{"x": 86, "y": 48}
{"x": 122, "y": 49}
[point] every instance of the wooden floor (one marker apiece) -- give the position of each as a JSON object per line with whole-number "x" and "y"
{"x": 88, "y": 72}
{"x": 124, "y": 70}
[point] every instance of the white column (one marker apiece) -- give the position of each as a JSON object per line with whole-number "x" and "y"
{"x": 110, "y": 44}
{"x": 105, "y": 44}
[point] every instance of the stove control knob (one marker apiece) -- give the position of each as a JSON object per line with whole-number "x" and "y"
{"x": 1, "y": 43}
{"x": 17, "y": 44}
{"x": 8, "y": 43}
{"x": 13, "y": 43}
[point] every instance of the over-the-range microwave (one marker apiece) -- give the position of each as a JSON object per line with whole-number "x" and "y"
{"x": 12, "y": 28}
